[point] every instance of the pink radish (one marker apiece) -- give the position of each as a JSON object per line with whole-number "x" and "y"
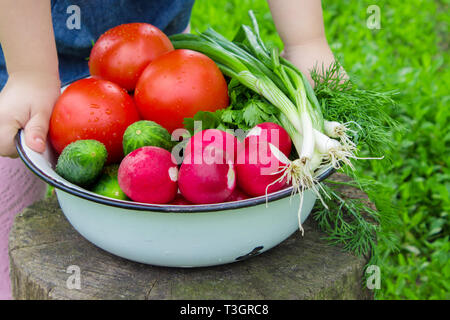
{"x": 218, "y": 138}
{"x": 207, "y": 181}
{"x": 237, "y": 195}
{"x": 272, "y": 133}
{"x": 149, "y": 174}
{"x": 257, "y": 166}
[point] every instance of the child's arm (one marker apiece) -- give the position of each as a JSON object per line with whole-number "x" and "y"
{"x": 300, "y": 26}
{"x": 26, "y": 101}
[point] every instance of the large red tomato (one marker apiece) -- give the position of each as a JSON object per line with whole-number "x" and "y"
{"x": 177, "y": 85}
{"x": 122, "y": 53}
{"x": 92, "y": 109}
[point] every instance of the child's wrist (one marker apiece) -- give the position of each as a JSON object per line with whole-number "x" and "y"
{"x": 43, "y": 76}
{"x": 299, "y": 44}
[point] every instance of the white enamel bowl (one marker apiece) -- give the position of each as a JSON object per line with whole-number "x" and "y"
{"x": 173, "y": 235}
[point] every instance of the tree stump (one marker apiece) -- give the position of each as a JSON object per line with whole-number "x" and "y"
{"x": 45, "y": 250}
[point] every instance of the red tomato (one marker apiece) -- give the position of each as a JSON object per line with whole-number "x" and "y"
{"x": 92, "y": 109}
{"x": 122, "y": 53}
{"x": 177, "y": 85}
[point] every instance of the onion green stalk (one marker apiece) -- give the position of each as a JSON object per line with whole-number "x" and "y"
{"x": 250, "y": 62}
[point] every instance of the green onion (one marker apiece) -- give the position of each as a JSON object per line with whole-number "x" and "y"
{"x": 248, "y": 61}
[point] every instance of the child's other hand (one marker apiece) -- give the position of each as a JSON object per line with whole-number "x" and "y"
{"x": 310, "y": 55}
{"x": 26, "y": 102}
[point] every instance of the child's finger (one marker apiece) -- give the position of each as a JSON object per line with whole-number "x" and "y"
{"x": 36, "y": 130}
{"x": 7, "y": 146}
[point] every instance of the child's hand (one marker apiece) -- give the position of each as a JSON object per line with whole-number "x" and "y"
{"x": 314, "y": 54}
{"x": 300, "y": 26}
{"x": 26, "y": 102}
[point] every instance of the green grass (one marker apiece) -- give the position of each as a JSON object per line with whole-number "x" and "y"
{"x": 408, "y": 54}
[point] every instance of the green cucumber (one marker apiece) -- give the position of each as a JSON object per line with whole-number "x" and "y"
{"x": 108, "y": 185}
{"x": 81, "y": 162}
{"x": 146, "y": 133}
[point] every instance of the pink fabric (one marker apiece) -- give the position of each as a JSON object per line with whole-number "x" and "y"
{"x": 19, "y": 188}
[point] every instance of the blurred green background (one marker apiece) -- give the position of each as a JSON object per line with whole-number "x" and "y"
{"x": 409, "y": 53}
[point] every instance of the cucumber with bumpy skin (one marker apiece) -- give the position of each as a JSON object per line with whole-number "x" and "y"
{"x": 108, "y": 185}
{"x": 146, "y": 133}
{"x": 82, "y": 161}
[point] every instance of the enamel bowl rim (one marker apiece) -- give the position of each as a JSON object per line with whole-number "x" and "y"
{"x": 124, "y": 204}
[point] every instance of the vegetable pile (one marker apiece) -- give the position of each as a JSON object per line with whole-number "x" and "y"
{"x": 113, "y": 131}
{"x": 253, "y": 124}
{"x": 321, "y": 143}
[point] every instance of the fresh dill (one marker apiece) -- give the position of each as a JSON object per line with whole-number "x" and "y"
{"x": 366, "y": 112}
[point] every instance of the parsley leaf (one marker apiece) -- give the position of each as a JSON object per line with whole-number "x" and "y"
{"x": 246, "y": 110}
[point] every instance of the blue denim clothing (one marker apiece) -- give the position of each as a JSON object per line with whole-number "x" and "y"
{"x": 97, "y": 16}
